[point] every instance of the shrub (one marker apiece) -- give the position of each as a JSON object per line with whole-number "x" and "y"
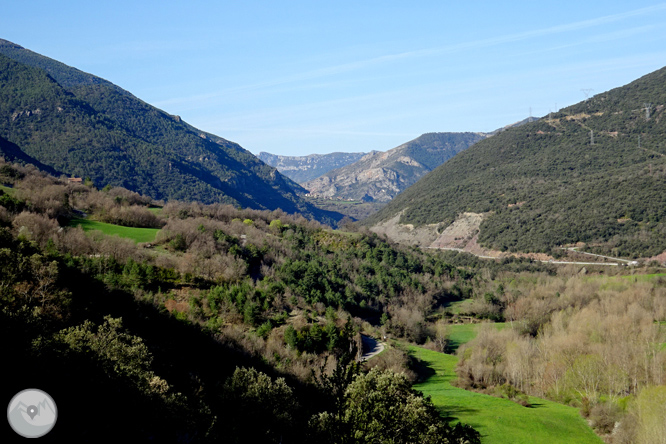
{"x": 35, "y": 227}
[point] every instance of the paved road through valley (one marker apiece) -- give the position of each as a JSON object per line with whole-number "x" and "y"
{"x": 371, "y": 347}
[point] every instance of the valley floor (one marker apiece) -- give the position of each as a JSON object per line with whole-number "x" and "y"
{"x": 500, "y": 421}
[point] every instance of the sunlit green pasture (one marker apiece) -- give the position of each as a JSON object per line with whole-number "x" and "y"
{"x": 462, "y": 333}
{"x": 136, "y": 234}
{"x": 644, "y": 277}
{"x": 500, "y": 421}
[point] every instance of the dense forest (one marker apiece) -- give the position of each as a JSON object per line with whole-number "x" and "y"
{"x": 593, "y": 172}
{"x": 78, "y": 124}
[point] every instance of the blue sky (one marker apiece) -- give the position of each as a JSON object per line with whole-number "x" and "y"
{"x": 301, "y": 77}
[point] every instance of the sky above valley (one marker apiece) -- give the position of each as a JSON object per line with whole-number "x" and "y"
{"x": 297, "y": 78}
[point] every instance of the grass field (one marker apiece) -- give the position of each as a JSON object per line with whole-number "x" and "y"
{"x": 500, "y": 421}
{"x": 644, "y": 277}
{"x": 462, "y": 333}
{"x": 457, "y": 307}
{"x": 136, "y": 234}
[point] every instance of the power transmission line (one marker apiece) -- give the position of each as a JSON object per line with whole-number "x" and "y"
{"x": 647, "y": 106}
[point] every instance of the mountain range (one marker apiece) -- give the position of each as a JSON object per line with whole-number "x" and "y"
{"x": 303, "y": 168}
{"x": 74, "y": 123}
{"x": 380, "y": 176}
{"x": 592, "y": 173}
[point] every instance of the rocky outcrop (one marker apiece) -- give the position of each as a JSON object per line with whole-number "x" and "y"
{"x": 303, "y": 168}
{"x": 380, "y": 176}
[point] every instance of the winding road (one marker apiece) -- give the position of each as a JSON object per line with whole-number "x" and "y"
{"x": 371, "y": 347}
{"x": 612, "y": 264}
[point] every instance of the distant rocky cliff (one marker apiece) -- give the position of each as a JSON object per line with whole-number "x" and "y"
{"x": 380, "y": 176}
{"x": 303, "y": 168}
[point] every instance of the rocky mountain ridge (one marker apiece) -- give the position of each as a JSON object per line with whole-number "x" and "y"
{"x": 301, "y": 169}
{"x": 380, "y": 176}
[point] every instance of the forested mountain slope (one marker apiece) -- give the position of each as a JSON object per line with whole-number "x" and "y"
{"x": 594, "y": 172}
{"x": 380, "y": 176}
{"x": 78, "y": 124}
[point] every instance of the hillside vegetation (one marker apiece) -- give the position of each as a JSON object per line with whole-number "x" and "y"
{"x": 228, "y": 315}
{"x": 232, "y": 325}
{"x": 77, "y": 124}
{"x": 594, "y": 172}
{"x": 591, "y": 342}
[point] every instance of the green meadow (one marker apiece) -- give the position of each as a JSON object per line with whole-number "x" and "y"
{"x": 500, "y": 421}
{"x": 644, "y": 277}
{"x": 459, "y": 334}
{"x": 136, "y": 234}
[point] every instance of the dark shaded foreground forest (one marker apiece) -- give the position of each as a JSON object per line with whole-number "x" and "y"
{"x": 232, "y": 326}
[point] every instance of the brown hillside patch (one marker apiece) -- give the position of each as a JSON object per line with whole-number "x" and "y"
{"x": 582, "y": 116}
{"x": 661, "y": 258}
{"x": 460, "y": 232}
{"x": 463, "y": 235}
{"x": 172, "y": 305}
{"x": 179, "y": 300}
{"x": 406, "y": 233}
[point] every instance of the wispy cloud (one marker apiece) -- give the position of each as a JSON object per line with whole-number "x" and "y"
{"x": 302, "y": 77}
{"x": 321, "y": 132}
{"x": 559, "y": 29}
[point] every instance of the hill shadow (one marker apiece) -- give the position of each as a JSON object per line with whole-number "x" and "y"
{"x": 13, "y": 153}
{"x": 452, "y": 347}
{"x": 452, "y": 413}
{"x": 421, "y": 368}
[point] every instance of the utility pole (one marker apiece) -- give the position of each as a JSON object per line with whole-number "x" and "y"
{"x": 591, "y": 137}
{"x": 639, "y": 141}
{"x": 647, "y": 106}
{"x": 587, "y": 92}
